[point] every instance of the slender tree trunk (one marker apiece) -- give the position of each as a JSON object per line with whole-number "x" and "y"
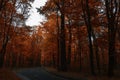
{"x": 3, "y": 51}
{"x": 62, "y": 41}
{"x": 79, "y": 48}
{"x": 58, "y": 41}
{"x": 111, "y": 12}
{"x": 96, "y": 51}
{"x": 5, "y": 38}
{"x": 63, "y": 44}
{"x": 87, "y": 19}
{"x": 69, "y": 44}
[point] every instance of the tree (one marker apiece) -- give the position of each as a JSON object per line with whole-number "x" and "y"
{"x": 86, "y": 31}
{"x": 52, "y": 5}
{"x": 87, "y": 19}
{"x": 10, "y": 17}
{"x": 112, "y": 11}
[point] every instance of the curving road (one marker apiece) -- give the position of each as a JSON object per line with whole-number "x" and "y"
{"x": 36, "y": 74}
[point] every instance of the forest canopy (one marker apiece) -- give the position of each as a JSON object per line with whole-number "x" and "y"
{"x": 78, "y": 35}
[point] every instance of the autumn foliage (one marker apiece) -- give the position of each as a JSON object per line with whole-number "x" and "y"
{"x": 78, "y": 35}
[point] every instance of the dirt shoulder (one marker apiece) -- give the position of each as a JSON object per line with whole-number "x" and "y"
{"x": 67, "y": 75}
{"x": 78, "y": 76}
{"x": 6, "y": 74}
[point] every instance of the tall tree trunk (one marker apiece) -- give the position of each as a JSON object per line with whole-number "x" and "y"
{"x": 87, "y": 19}
{"x": 96, "y": 51}
{"x": 5, "y": 38}
{"x": 111, "y": 13}
{"x": 63, "y": 44}
{"x": 79, "y": 48}
{"x": 69, "y": 44}
{"x": 3, "y": 51}
{"x": 58, "y": 41}
{"x": 63, "y": 65}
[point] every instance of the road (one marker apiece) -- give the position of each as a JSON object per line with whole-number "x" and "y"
{"x": 36, "y": 74}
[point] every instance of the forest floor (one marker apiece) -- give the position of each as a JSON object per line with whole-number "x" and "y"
{"x": 78, "y": 76}
{"x": 6, "y": 74}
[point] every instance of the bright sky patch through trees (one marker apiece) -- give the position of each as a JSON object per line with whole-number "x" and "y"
{"x": 35, "y": 18}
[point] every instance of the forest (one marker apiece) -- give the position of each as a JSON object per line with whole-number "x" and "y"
{"x": 78, "y": 35}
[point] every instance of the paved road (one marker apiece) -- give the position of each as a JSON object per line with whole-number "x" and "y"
{"x": 36, "y": 74}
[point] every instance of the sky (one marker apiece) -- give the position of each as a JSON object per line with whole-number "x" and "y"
{"x": 35, "y": 18}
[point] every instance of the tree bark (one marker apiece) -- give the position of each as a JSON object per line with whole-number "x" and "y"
{"x": 87, "y": 18}
{"x": 63, "y": 44}
{"x": 111, "y": 12}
